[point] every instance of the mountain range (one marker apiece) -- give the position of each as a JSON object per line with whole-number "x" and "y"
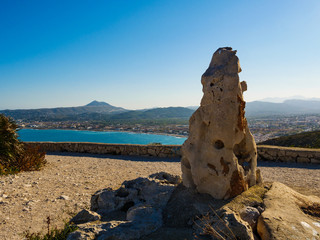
{"x": 292, "y": 106}
{"x": 282, "y": 99}
{"x": 286, "y": 107}
{"x": 98, "y": 111}
{"x": 104, "y": 111}
{"x": 94, "y": 107}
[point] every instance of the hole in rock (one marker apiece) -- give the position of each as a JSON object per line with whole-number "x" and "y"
{"x": 126, "y": 206}
{"x": 122, "y": 192}
{"x": 225, "y": 166}
{"x": 245, "y": 166}
{"x": 211, "y": 84}
{"x": 219, "y": 144}
{"x": 213, "y": 167}
{"x": 313, "y": 211}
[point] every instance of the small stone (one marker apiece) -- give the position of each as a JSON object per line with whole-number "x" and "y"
{"x": 85, "y": 216}
{"x": 250, "y": 215}
{"x": 64, "y": 197}
{"x": 29, "y": 203}
{"x": 25, "y": 209}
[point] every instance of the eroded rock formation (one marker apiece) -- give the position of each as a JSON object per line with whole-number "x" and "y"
{"x": 220, "y": 155}
{"x": 160, "y": 207}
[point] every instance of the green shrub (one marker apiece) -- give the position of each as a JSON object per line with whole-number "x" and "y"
{"x": 54, "y": 234}
{"x": 14, "y": 155}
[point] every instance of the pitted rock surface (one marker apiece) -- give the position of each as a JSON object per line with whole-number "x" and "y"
{"x": 220, "y": 156}
{"x": 130, "y": 212}
{"x": 265, "y": 211}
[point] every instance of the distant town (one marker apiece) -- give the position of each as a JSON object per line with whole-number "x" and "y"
{"x": 170, "y": 129}
{"x": 263, "y": 128}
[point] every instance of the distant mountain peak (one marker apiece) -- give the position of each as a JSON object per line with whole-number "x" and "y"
{"x": 284, "y": 99}
{"x": 97, "y": 103}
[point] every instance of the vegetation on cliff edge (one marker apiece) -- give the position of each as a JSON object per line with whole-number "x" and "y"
{"x": 304, "y": 140}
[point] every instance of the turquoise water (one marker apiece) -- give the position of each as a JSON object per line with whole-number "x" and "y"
{"x": 51, "y": 135}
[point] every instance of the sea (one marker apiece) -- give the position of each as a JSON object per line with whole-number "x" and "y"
{"x": 57, "y": 135}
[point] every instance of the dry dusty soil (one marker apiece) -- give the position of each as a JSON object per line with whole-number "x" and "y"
{"x": 66, "y": 184}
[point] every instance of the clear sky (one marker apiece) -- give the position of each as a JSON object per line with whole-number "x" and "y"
{"x": 148, "y": 53}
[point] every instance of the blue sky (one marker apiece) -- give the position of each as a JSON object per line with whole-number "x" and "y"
{"x": 141, "y": 54}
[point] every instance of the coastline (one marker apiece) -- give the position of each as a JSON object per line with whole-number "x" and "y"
{"x": 120, "y": 131}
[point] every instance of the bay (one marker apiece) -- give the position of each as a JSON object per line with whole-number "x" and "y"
{"x": 57, "y": 135}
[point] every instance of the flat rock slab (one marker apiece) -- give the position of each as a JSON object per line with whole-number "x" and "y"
{"x": 289, "y": 215}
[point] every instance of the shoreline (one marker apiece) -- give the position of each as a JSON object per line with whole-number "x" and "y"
{"x": 124, "y": 131}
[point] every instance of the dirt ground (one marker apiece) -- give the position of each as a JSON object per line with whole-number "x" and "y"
{"x": 66, "y": 184}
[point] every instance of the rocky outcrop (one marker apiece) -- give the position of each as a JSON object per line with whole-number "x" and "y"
{"x": 158, "y": 207}
{"x": 130, "y": 212}
{"x": 220, "y": 156}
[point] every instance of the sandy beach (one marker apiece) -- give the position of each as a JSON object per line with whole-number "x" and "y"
{"x": 66, "y": 184}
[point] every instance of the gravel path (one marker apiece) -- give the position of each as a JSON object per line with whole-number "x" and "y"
{"x": 66, "y": 184}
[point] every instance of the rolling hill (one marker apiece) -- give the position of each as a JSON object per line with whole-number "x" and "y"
{"x": 304, "y": 140}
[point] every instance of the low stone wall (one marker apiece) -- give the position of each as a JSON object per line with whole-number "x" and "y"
{"x": 265, "y": 153}
{"x": 288, "y": 154}
{"x": 105, "y": 148}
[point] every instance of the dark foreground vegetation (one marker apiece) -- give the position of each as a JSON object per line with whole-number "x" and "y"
{"x": 52, "y": 234}
{"x": 14, "y": 155}
{"x": 304, "y": 140}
